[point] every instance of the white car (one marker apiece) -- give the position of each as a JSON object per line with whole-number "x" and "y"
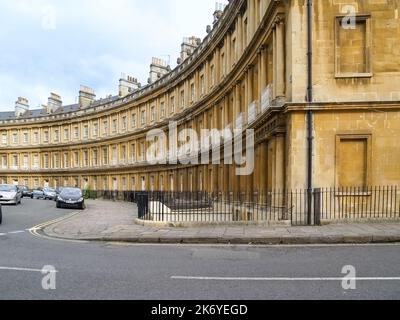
{"x": 10, "y": 194}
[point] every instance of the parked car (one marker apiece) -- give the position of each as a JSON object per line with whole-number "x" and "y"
{"x": 71, "y": 198}
{"x": 38, "y": 193}
{"x": 58, "y": 191}
{"x": 10, "y": 194}
{"x": 49, "y": 194}
{"x": 26, "y": 192}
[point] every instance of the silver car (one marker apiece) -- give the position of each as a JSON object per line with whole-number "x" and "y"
{"x": 49, "y": 194}
{"x": 10, "y": 194}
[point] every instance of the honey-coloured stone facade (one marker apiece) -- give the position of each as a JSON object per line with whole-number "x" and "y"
{"x": 250, "y": 72}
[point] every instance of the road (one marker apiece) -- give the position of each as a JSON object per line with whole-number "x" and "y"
{"x": 118, "y": 271}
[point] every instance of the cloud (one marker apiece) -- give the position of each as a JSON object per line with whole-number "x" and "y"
{"x": 55, "y": 45}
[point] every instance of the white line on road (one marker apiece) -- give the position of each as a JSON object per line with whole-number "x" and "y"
{"x": 285, "y": 279}
{"x": 16, "y": 232}
{"x": 23, "y": 269}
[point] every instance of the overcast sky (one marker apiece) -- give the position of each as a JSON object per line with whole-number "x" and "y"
{"x": 56, "y": 45}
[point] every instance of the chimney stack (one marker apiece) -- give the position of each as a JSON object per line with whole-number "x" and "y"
{"x": 53, "y": 103}
{"x": 188, "y": 46}
{"x": 219, "y": 11}
{"x": 86, "y": 97}
{"x": 128, "y": 85}
{"x": 158, "y": 69}
{"x": 21, "y": 106}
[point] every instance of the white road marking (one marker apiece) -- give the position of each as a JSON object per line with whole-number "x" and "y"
{"x": 285, "y": 279}
{"x": 16, "y": 232}
{"x": 22, "y": 269}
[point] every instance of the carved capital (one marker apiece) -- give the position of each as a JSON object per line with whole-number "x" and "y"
{"x": 279, "y": 20}
{"x": 261, "y": 49}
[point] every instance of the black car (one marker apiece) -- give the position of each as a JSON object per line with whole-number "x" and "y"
{"x": 71, "y": 198}
{"x": 26, "y": 192}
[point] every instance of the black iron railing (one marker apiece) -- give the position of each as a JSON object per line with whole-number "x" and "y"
{"x": 335, "y": 204}
{"x": 358, "y": 203}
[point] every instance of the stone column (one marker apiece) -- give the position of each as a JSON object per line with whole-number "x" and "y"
{"x": 226, "y": 178}
{"x": 257, "y": 166}
{"x": 220, "y": 169}
{"x": 251, "y": 18}
{"x": 250, "y": 183}
{"x": 259, "y": 74}
{"x": 197, "y": 85}
{"x": 185, "y": 181}
{"x": 195, "y": 181}
{"x": 234, "y": 179}
{"x": 225, "y": 118}
{"x": 215, "y": 116}
{"x": 280, "y": 58}
{"x": 263, "y": 73}
{"x": 217, "y": 66}
{"x": 278, "y": 168}
{"x": 246, "y": 93}
{"x": 215, "y": 178}
{"x": 156, "y": 181}
{"x": 250, "y": 74}
{"x": 205, "y": 174}
{"x": 274, "y": 64}
{"x": 206, "y": 76}
{"x": 263, "y": 167}
{"x": 239, "y": 40}
{"x": 177, "y": 187}
{"x": 228, "y": 53}
{"x": 236, "y": 103}
{"x": 200, "y": 173}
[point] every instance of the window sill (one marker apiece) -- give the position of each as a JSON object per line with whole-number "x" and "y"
{"x": 353, "y": 75}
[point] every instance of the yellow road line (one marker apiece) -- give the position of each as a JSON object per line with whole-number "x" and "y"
{"x": 40, "y": 227}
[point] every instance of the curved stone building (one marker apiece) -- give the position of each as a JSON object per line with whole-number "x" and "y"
{"x": 331, "y": 120}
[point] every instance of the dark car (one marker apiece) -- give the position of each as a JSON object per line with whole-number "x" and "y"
{"x": 26, "y": 192}
{"x": 71, "y": 198}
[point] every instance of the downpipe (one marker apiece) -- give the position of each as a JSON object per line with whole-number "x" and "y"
{"x": 310, "y": 129}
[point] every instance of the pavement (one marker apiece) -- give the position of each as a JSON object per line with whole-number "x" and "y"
{"x": 115, "y": 222}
